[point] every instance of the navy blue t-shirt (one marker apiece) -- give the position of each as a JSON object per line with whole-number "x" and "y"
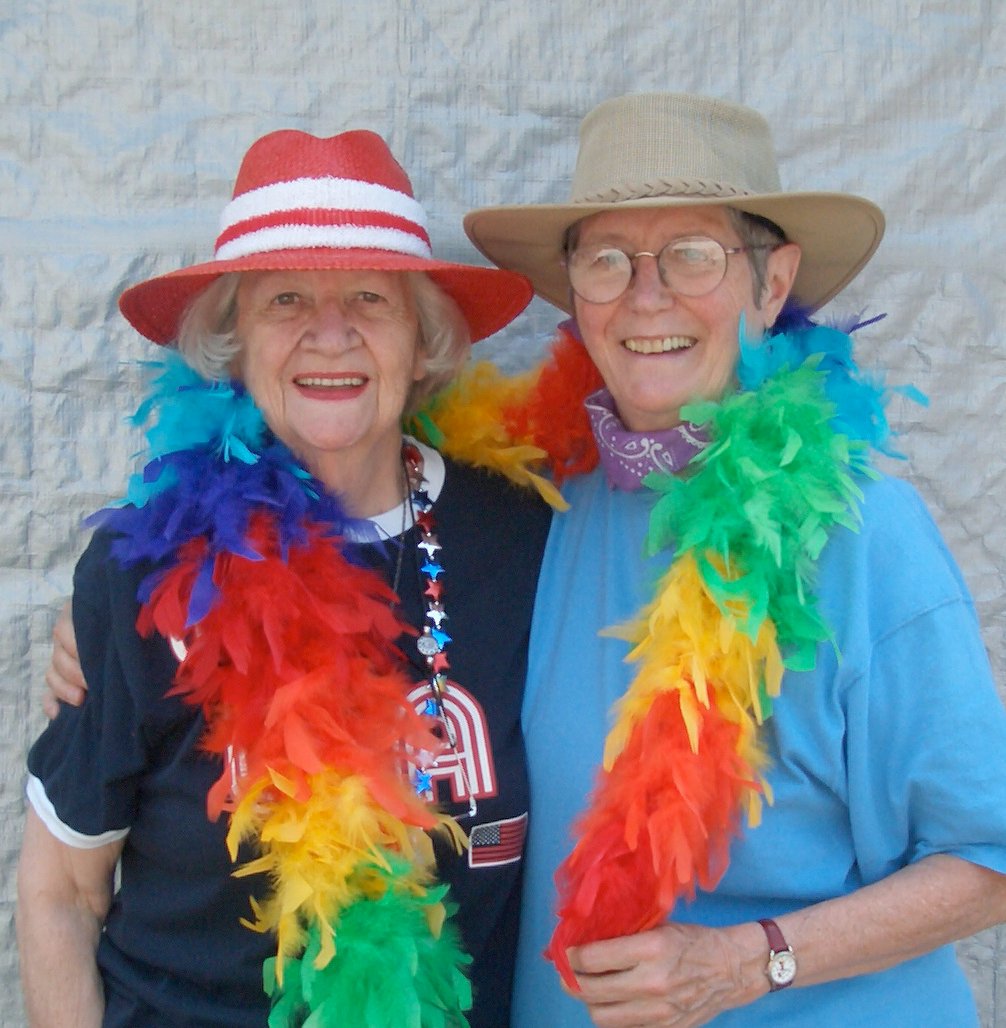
{"x": 173, "y": 951}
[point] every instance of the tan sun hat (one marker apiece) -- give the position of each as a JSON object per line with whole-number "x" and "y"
{"x": 677, "y": 150}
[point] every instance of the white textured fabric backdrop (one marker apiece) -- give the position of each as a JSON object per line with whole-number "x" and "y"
{"x": 123, "y": 125}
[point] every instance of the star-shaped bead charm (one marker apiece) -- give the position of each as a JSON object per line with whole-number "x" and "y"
{"x": 430, "y": 544}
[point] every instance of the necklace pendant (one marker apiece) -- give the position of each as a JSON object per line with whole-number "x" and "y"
{"x": 428, "y": 646}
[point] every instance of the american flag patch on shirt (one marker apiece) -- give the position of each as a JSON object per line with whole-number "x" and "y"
{"x": 499, "y": 842}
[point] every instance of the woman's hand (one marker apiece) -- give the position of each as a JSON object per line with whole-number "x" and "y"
{"x": 684, "y": 975}
{"x": 63, "y": 677}
{"x": 677, "y": 974}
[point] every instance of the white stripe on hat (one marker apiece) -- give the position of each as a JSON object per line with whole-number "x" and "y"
{"x": 337, "y": 237}
{"x": 336, "y": 194}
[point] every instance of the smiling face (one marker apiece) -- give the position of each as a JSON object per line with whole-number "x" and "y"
{"x": 330, "y": 358}
{"x": 658, "y": 350}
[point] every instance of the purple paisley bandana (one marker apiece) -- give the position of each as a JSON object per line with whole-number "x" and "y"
{"x": 628, "y": 457}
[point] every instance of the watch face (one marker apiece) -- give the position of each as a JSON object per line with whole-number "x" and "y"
{"x": 782, "y": 968}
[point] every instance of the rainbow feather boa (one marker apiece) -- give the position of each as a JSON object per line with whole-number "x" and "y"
{"x": 746, "y": 525}
{"x": 290, "y": 650}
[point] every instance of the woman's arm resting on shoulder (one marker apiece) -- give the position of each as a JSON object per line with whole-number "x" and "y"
{"x": 63, "y": 897}
{"x": 684, "y": 975}
{"x": 63, "y": 677}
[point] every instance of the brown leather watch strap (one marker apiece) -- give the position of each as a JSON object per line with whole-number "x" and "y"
{"x": 776, "y": 940}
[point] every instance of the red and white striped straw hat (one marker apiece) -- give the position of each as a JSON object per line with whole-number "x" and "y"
{"x": 342, "y": 203}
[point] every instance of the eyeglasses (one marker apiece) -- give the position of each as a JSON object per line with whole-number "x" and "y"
{"x": 690, "y": 266}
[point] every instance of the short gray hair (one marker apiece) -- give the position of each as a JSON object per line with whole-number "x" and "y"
{"x": 207, "y": 334}
{"x": 760, "y": 237}
{"x": 445, "y": 339}
{"x": 206, "y": 330}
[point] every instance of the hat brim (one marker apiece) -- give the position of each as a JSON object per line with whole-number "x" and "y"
{"x": 837, "y": 234}
{"x": 489, "y": 298}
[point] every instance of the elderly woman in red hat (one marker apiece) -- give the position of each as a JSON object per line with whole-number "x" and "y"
{"x": 799, "y": 777}
{"x": 304, "y": 639}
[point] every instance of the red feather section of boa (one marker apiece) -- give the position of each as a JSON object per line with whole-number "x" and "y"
{"x": 298, "y": 671}
{"x": 662, "y": 817}
{"x": 553, "y": 417}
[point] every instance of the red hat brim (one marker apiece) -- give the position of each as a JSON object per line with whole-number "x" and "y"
{"x": 489, "y": 298}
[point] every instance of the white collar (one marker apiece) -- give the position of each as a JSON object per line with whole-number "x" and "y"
{"x": 389, "y": 524}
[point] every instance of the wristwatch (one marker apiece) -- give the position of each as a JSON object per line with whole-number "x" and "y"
{"x": 781, "y": 966}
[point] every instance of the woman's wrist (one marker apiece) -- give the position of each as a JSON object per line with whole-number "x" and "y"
{"x": 751, "y": 952}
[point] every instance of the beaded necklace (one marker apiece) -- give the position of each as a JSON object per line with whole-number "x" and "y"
{"x": 433, "y": 640}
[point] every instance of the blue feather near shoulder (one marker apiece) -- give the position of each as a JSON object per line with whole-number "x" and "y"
{"x": 211, "y": 462}
{"x": 860, "y": 399}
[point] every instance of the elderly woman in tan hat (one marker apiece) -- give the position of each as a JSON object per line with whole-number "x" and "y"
{"x": 293, "y": 604}
{"x": 792, "y": 798}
